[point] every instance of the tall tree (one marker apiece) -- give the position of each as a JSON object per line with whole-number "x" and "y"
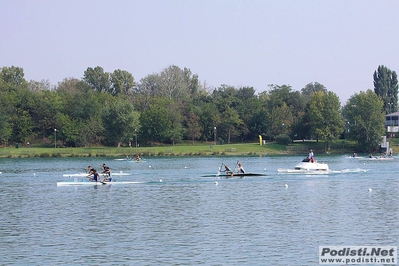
{"x": 119, "y": 121}
{"x": 366, "y": 120}
{"x": 97, "y": 79}
{"x": 122, "y": 82}
{"x": 386, "y": 86}
{"x": 311, "y": 88}
{"x": 13, "y": 76}
{"x": 325, "y": 116}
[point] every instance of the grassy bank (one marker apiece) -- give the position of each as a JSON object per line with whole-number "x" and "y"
{"x": 199, "y": 149}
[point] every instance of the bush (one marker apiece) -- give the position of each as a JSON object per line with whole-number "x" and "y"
{"x": 283, "y": 139}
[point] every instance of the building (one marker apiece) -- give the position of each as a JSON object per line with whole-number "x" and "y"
{"x": 392, "y": 122}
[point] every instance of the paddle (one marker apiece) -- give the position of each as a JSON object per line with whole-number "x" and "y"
{"x": 220, "y": 168}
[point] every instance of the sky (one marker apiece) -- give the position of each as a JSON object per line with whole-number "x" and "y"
{"x": 338, "y": 43}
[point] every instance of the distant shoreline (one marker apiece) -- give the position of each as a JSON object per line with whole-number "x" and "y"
{"x": 201, "y": 149}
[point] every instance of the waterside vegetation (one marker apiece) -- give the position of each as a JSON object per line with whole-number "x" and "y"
{"x": 199, "y": 149}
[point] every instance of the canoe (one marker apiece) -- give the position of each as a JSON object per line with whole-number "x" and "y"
{"x": 234, "y": 175}
{"x": 89, "y": 183}
{"x": 85, "y": 174}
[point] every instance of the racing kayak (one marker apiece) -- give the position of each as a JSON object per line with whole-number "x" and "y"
{"x": 92, "y": 183}
{"x": 85, "y": 174}
{"x": 233, "y": 175}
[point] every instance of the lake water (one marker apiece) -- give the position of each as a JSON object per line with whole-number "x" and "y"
{"x": 188, "y": 219}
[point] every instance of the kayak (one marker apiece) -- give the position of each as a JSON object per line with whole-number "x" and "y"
{"x": 85, "y": 174}
{"x": 90, "y": 183}
{"x": 376, "y": 158}
{"x": 136, "y": 161}
{"x": 131, "y": 160}
{"x": 233, "y": 175}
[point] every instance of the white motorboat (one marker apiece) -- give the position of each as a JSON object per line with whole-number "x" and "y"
{"x": 307, "y": 168}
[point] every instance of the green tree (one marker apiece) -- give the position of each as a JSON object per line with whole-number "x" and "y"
{"x": 386, "y": 86}
{"x": 155, "y": 123}
{"x": 325, "y": 116}
{"x": 280, "y": 120}
{"x": 22, "y": 126}
{"x": 13, "y": 76}
{"x": 209, "y": 118}
{"x": 193, "y": 126}
{"x": 312, "y": 88}
{"x": 119, "y": 121}
{"x": 366, "y": 120}
{"x": 97, "y": 79}
{"x": 122, "y": 82}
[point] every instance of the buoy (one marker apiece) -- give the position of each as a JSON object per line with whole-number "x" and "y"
{"x": 370, "y": 189}
{"x": 160, "y": 180}
{"x": 286, "y": 185}
{"x": 216, "y": 183}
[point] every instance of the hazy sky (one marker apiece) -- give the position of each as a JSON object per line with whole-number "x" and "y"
{"x": 338, "y": 43}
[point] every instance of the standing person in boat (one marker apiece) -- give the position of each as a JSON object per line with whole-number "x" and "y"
{"x": 240, "y": 169}
{"x": 311, "y": 156}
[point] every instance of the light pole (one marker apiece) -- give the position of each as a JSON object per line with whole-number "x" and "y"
{"x": 214, "y": 134}
{"x": 55, "y": 138}
{"x": 135, "y": 131}
{"x": 390, "y": 114}
{"x": 283, "y": 128}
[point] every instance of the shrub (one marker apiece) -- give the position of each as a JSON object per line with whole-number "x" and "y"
{"x": 283, "y": 139}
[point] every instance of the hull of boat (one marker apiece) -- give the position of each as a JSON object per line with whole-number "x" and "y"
{"x": 131, "y": 160}
{"x": 88, "y": 183}
{"x": 306, "y": 172}
{"x": 234, "y": 175}
{"x": 376, "y": 159}
{"x": 307, "y": 166}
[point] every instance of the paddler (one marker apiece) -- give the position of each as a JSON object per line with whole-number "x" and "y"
{"x": 240, "y": 169}
{"x": 107, "y": 173}
{"x": 227, "y": 169}
{"x": 94, "y": 176}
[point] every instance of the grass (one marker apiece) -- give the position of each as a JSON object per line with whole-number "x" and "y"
{"x": 184, "y": 149}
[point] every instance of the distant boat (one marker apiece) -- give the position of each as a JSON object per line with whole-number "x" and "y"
{"x": 133, "y": 160}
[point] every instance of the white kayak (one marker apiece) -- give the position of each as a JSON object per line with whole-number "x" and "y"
{"x": 376, "y": 158}
{"x": 85, "y": 174}
{"x": 92, "y": 183}
{"x": 132, "y": 160}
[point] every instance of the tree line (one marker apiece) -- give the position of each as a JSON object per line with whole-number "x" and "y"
{"x": 174, "y": 106}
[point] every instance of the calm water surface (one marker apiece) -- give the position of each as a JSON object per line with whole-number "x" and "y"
{"x": 191, "y": 220}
